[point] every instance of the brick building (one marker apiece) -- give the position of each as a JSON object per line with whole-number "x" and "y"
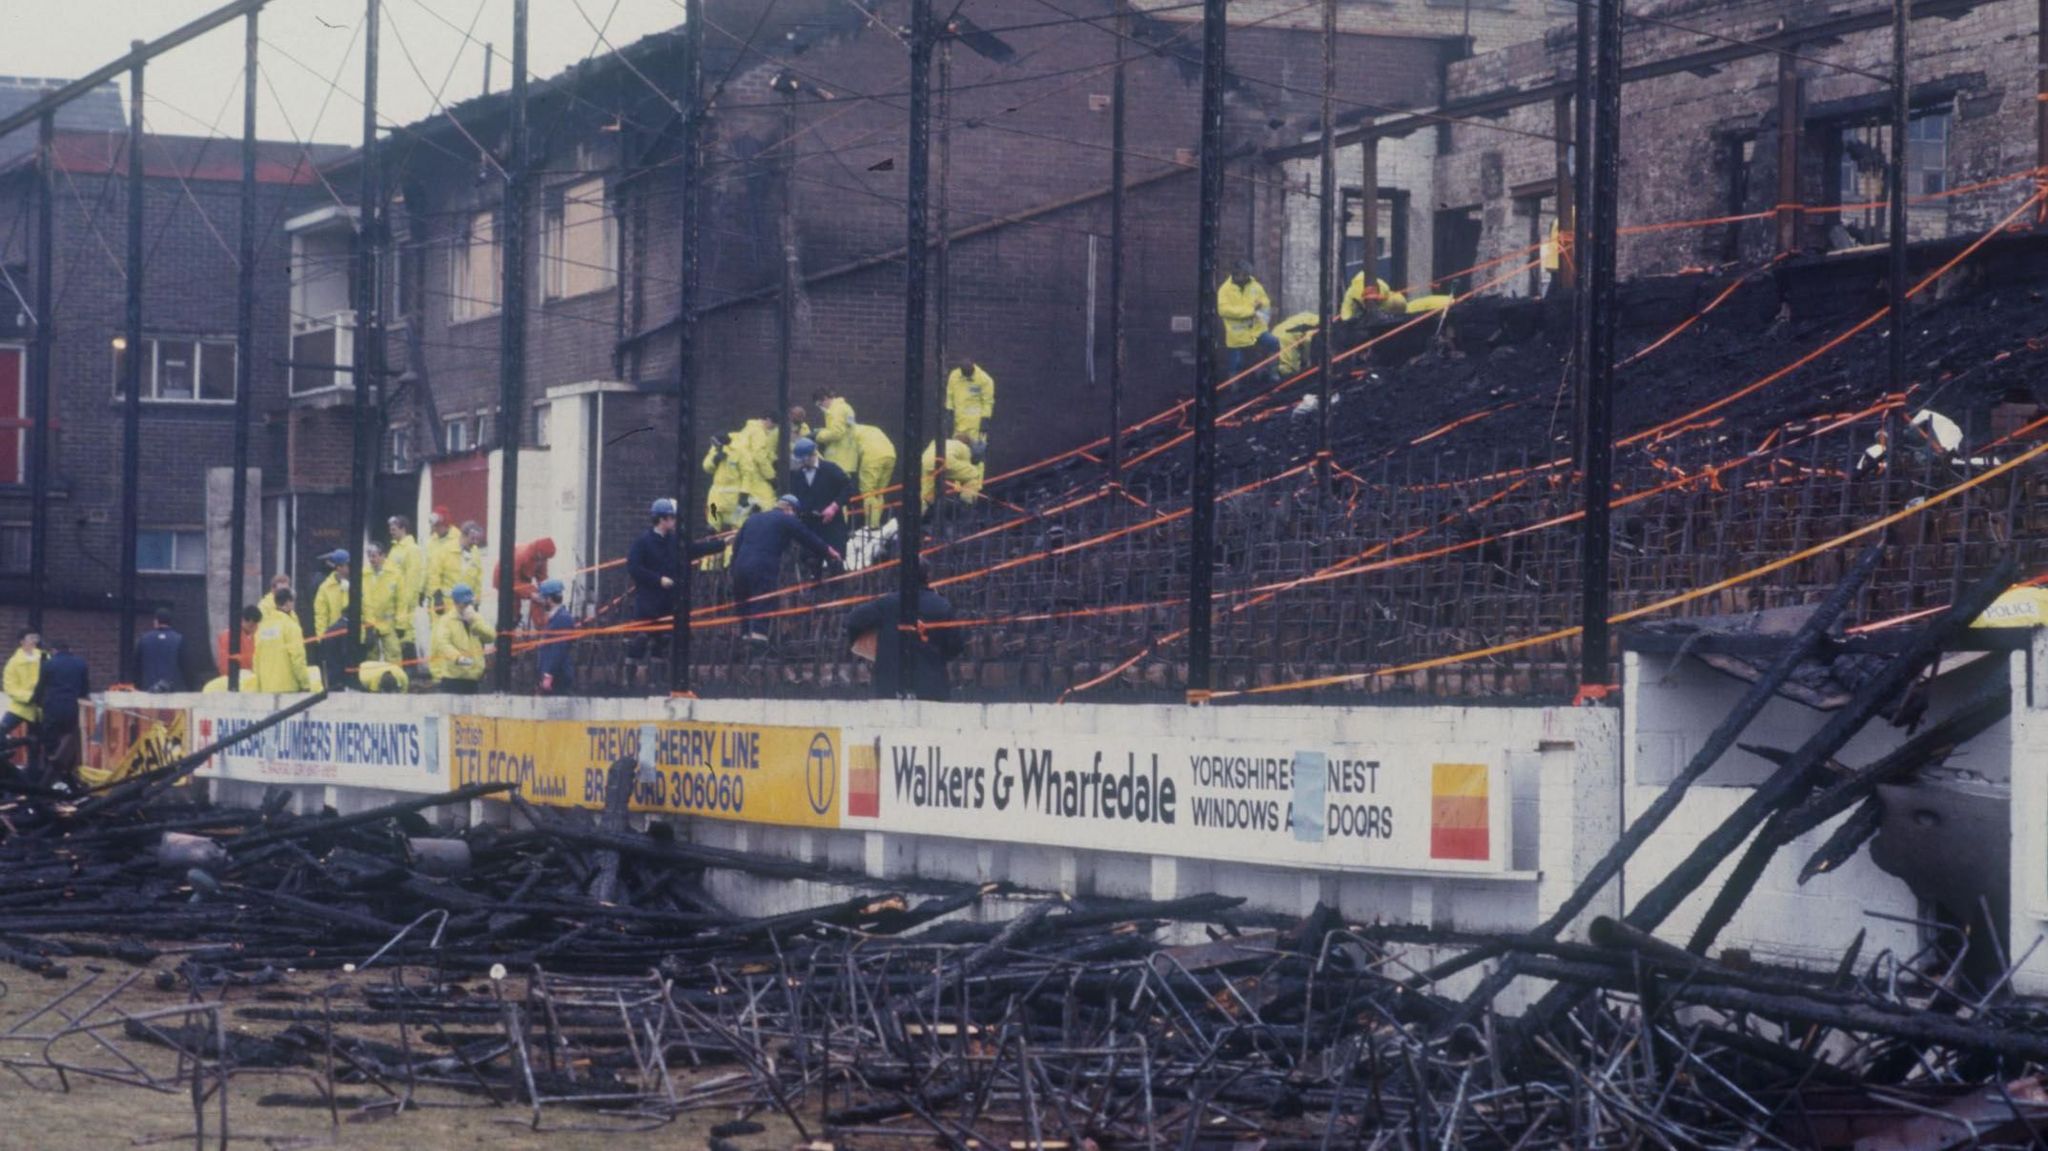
{"x": 191, "y": 236}
{"x": 1023, "y": 122}
{"x": 1701, "y": 139}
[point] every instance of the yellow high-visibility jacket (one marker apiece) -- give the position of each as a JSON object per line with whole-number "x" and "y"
{"x": 722, "y": 508}
{"x": 24, "y": 671}
{"x": 473, "y": 571}
{"x": 382, "y": 606}
{"x": 757, "y": 446}
{"x": 2014, "y": 607}
{"x": 835, "y": 438}
{"x": 371, "y": 672}
{"x": 404, "y": 562}
{"x": 280, "y": 660}
{"x": 459, "y": 646}
{"x": 963, "y": 475}
{"x": 444, "y": 563}
{"x": 1422, "y": 305}
{"x": 972, "y": 400}
{"x": 1240, "y": 309}
{"x": 330, "y": 603}
{"x": 1384, "y": 298}
{"x": 877, "y": 469}
{"x": 1295, "y": 334}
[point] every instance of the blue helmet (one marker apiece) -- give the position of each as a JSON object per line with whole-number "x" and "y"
{"x": 663, "y": 507}
{"x": 551, "y": 588}
{"x": 804, "y": 446}
{"x": 462, "y": 596}
{"x": 337, "y": 557}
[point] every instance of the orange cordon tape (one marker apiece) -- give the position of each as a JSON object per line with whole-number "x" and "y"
{"x": 1757, "y": 572}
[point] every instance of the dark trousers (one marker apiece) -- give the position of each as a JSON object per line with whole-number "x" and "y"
{"x": 748, "y": 586}
{"x": 649, "y": 644}
{"x": 460, "y": 686}
{"x": 1266, "y": 346}
{"x": 835, "y": 534}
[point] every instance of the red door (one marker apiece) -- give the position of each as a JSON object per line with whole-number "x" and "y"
{"x": 13, "y": 413}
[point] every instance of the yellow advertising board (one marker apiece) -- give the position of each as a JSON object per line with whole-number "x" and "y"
{"x": 125, "y": 741}
{"x": 788, "y": 776}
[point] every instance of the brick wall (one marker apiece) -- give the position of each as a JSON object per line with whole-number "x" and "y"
{"x": 1676, "y": 130}
{"x": 190, "y": 235}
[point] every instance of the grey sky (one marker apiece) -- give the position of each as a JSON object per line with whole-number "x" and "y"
{"x": 310, "y": 47}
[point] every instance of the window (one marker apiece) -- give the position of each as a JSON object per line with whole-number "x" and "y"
{"x": 398, "y": 448}
{"x": 174, "y": 551}
{"x": 543, "y": 421}
{"x": 455, "y": 436}
{"x": 486, "y": 430}
{"x": 474, "y": 270}
{"x": 14, "y": 550}
{"x": 1391, "y": 260}
{"x": 579, "y": 242}
{"x": 1862, "y": 156}
{"x": 180, "y": 369}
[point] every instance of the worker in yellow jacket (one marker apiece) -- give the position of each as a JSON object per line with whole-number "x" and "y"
{"x": 460, "y": 634}
{"x": 444, "y": 556}
{"x": 381, "y": 607}
{"x": 474, "y": 561}
{"x": 962, "y": 472}
{"x": 756, "y": 445}
{"x": 330, "y": 616}
{"x": 280, "y": 661}
{"x": 877, "y": 470}
{"x": 727, "y": 503}
{"x": 409, "y": 579}
{"x": 970, "y": 404}
{"x": 1297, "y": 336}
{"x": 834, "y": 437}
{"x": 1246, "y": 311}
{"x": 24, "y": 672}
{"x": 1361, "y": 299}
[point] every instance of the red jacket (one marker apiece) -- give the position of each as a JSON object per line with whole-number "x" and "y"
{"x": 529, "y": 567}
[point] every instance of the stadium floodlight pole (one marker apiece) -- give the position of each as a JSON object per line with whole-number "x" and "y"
{"x": 943, "y": 302}
{"x": 131, "y": 375}
{"x": 1582, "y": 221}
{"x": 1115, "y": 462}
{"x": 785, "y": 301}
{"x": 1326, "y": 240}
{"x": 1202, "y": 535}
{"x": 512, "y": 356}
{"x": 364, "y": 375}
{"x": 39, "y": 374}
{"x": 910, "y": 540}
{"x": 1895, "y": 191}
{"x": 1597, "y": 542}
{"x": 245, "y": 358}
{"x": 687, "y": 146}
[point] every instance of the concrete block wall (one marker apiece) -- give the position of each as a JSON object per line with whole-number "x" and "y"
{"x": 1672, "y": 706}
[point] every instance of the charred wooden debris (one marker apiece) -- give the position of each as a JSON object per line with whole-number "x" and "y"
{"x": 573, "y": 973}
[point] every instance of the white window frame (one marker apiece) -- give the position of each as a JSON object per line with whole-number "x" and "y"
{"x": 486, "y": 429}
{"x": 398, "y": 448}
{"x": 182, "y": 540}
{"x": 543, "y": 424}
{"x": 455, "y": 436}
{"x": 469, "y": 299}
{"x": 564, "y": 223}
{"x": 202, "y": 346}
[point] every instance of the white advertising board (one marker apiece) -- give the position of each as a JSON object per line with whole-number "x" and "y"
{"x": 399, "y": 752}
{"x": 1346, "y": 806}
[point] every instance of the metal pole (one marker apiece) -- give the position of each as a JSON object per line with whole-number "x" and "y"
{"x": 686, "y": 340}
{"x": 512, "y": 356}
{"x": 945, "y": 261}
{"x": 1202, "y": 536}
{"x": 1326, "y": 251}
{"x": 39, "y": 374}
{"x": 910, "y": 539}
{"x": 245, "y": 359}
{"x": 785, "y": 304}
{"x": 366, "y": 336}
{"x": 1566, "y": 186}
{"x": 1788, "y": 152}
{"x": 1582, "y": 221}
{"x": 131, "y": 412}
{"x": 2041, "y": 89}
{"x": 1116, "y": 249}
{"x": 1599, "y": 439}
{"x": 1369, "y": 205}
{"x": 1895, "y": 191}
